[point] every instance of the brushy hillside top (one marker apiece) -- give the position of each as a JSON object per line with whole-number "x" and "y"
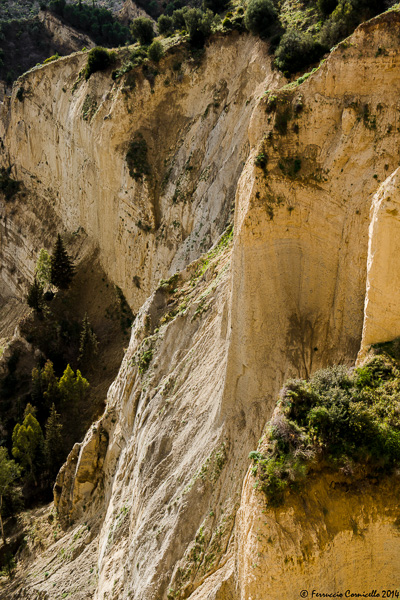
{"x": 343, "y": 419}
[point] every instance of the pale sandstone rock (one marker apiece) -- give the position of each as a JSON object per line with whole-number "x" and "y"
{"x": 382, "y": 309}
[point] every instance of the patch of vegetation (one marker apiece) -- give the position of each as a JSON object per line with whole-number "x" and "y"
{"x": 89, "y": 108}
{"x": 98, "y": 22}
{"x": 198, "y": 25}
{"x": 342, "y": 419}
{"x": 136, "y": 158}
{"x": 296, "y": 50}
{"x": 55, "y": 56}
{"x": 170, "y": 284}
{"x": 142, "y": 30}
{"x": 261, "y": 161}
{"x": 99, "y": 59}
{"x": 165, "y": 25}
{"x": 144, "y": 355}
{"x": 144, "y": 360}
{"x": 260, "y": 17}
{"x": 156, "y": 51}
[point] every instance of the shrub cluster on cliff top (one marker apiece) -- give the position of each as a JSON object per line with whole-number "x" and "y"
{"x": 99, "y": 59}
{"x": 342, "y": 419}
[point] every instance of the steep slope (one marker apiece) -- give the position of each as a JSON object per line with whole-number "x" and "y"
{"x": 152, "y": 494}
{"x": 187, "y": 115}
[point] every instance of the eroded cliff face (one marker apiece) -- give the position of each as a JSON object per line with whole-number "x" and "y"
{"x": 194, "y": 119}
{"x": 152, "y": 500}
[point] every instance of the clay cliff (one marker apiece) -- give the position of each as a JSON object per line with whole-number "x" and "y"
{"x": 158, "y": 501}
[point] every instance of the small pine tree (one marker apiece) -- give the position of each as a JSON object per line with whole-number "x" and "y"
{"x": 88, "y": 343}
{"x": 62, "y": 268}
{"x": 81, "y": 386}
{"x": 49, "y": 384}
{"x": 43, "y": 268}
{"x": 34, "y": 297}
{"x": 27, "y": 444}
{"x": 72, "y": 388}
{"x": 30, "y": 410}
{"x": 53, "y": 445}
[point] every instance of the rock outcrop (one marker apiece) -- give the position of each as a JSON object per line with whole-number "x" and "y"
{"x": 211, "y": 347}
{"x": 130, "y": 11}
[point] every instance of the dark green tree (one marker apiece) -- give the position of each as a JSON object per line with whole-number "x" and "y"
{"x": 53, "y": 445}
{"x": 9, "y": 473}
{"x": 88, "y": 343}
{"x": 62, "y": 268}
{"x": 165, "y": 25}
{"x": 198, "y": 25}
{"x": 178, "y": 18}
{"x": 260, "y": 16}
{"x": 142, "y": 30}
{"x": 34, "y": 297}
{"x": 44, "y": 390}
{"x": 296, "y": 51}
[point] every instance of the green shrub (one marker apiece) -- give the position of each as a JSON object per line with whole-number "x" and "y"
{"x": 142, "y": 30}
{"x": 198, "y": 25}
{"x": 260, "y": 16}
{"x": 297, "y": 50}
{"x": 51, "y": 58}
{"x": 156, "y": 51}
{"x": 178, "y": 18}
{"x": 165, "y": 25}
{"x": 339, "y": 418}
{"x": 144, "y": 360}
{"x": 99, "y": 59}
{"x": 261, "y": 160}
